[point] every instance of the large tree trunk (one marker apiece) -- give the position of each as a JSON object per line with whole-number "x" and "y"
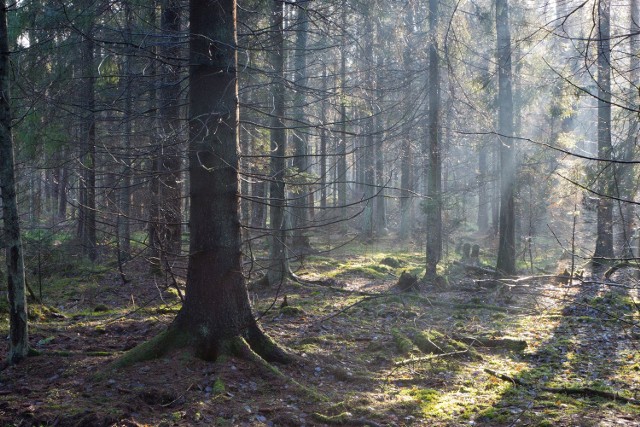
{"x": 507, "y": 243}
{"x": 216, "y": 316}
{"x": 434, "y": 170}
{"x": 18, "y": 331}
{"x": 604, "y": 238}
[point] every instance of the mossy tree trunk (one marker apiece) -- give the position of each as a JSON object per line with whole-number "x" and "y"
{"x": 216, "y": 314}
{"x": 18, "y": 330}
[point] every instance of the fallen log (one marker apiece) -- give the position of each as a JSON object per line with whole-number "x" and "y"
{"x": 475, "y": 268}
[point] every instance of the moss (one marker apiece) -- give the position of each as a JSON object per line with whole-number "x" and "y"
{"x": 156, "y": 347}
{"x": 100, "y": 308}
{"x": 218, "y": 387}
{"x": 392, "y": 262}
{"x": 291, "y": 311}
{"x": 402, "y": 342}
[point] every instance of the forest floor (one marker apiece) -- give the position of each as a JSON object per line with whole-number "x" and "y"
{"x": 450, "y": 355}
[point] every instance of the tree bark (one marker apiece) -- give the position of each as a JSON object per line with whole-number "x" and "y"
{"x": 18, "y": 328}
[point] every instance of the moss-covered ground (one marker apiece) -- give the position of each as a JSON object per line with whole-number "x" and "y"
{"x": 370, "y": 356}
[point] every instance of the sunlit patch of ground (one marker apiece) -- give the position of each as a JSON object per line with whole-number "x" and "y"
{"x": 348, "y": 351}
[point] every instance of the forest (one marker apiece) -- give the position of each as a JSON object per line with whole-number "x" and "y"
{"x": 320, "y": 212}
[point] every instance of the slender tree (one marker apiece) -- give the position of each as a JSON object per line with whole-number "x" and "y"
{"x": 300, "y": 212}
{"x": 278, "y": 265}
{"x": 507, "y": 243}
{"x": 434, "y": 170}
{"x": 342, "y": 142}
{"x": 166, "y": 216}
{"x": 604, "y": 238}
{"x": 18, "y": 330}
{"x": 87, "y": 199}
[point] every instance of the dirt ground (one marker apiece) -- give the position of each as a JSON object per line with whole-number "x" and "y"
{"x": 364, "y": 354}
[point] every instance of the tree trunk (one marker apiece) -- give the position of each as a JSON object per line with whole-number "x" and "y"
{"x": 483, "y": 199}
{"x": 368, "y": 161}
{"x": 507, "y": 246}
{"x": 407, "y": 179}
{"x": 323, "y": 144}
{"x": 342, "y": 141}
{"x": 300, "y": 239}
{"x": 166, "y": 222}
{"x": 216, "y": 312}
{"x": 434, "y": 170}
{"x": 278, "y": 264}
{"x": 604, "y": 238}
{"x": 18, "y": 330}
{"x": 380, "y": 201}
{"x": 124, "y": 208}
{"x": 626, "y": 173}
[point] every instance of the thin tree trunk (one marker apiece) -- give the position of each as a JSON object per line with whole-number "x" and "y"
{"x": 368, "y": 160}
{"x": 124, "y": 208}
{"x": 604, "y": 238}
{"x": 407, "y": 179}
{"x": 342, "y": 141}
{"x": 323, "y": 143}
{"x": 434, "y": 183}
{"x": 18, "y": 327}
{"x": 300, "y": 239}
{"x": 507, "y": 246}
{"x": 627, "y": 175}
{"x": 278, "y": 265}
{"x": 87, "y": 214}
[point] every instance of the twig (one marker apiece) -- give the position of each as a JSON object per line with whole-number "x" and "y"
{"x": 427, "y": 358}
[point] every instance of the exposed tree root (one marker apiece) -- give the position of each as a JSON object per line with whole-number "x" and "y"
{"x": 170, "y": 339}
{"x": 616, "y": 267}
{"x": 583, "y": 391}
{"x": 242, "y": 349}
